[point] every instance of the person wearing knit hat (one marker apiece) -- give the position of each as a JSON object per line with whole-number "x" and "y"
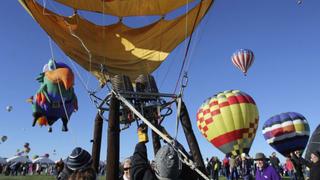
{"x": 78, "y": 161}
{"x": 313, "y": 164}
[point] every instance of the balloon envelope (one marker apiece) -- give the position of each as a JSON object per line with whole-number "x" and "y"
{"x": 229, "y": 121}
{"x": 314, "y": 143}
{"x": 287, "y": 132}
{"x": 4, "y": 138}
{"x": 9, "y": 108}
{"x": 243, "y": 59}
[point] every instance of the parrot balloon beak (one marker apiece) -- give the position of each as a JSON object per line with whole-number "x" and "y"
{"x": 62, "y": 75}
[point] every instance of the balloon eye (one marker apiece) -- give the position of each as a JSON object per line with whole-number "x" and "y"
{"x": 51, "y": 65}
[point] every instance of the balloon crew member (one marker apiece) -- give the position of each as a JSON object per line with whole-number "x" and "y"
{"x": 166, "y": 166}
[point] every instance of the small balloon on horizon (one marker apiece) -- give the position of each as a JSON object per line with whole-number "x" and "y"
{"x": 9, "y": 108}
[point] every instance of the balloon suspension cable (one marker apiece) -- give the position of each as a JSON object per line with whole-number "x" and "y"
{"x": 166, "y": 137}
{"x": 184, "y": 84}
{"x": 59, "y": 87}
{"x": 187, "y": 49}
{"x": 85, "y": 47}
{"x": 94, "y": 101}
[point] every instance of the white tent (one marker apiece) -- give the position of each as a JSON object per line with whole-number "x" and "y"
{"x": 43, "y": 160}
{"x": 21, "y": 159}
{"x": 3, "y": 160}
{"x": 101, "y": 163}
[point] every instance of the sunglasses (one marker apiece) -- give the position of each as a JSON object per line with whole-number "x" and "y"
{"x": 126, "y": 169}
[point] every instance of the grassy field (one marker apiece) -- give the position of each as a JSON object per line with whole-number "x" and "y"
{"x": 53, "y": 178}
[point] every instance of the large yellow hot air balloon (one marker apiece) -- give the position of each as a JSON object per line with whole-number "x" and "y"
{"x": 229, "y": 120}
{"x": 120, "y": 49}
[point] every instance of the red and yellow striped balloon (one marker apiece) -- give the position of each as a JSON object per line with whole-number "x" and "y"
{"x": 229, "y": 120}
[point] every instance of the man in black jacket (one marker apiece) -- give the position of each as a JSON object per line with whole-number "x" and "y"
{"x": 297, "y": 165}
{"x": 314, "y": 164}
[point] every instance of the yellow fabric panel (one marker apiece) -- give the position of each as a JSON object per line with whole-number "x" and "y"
{"x": 210, "y": 133}
{"x": 236, "y": 110}
{"x": 226, "y": 114}
{"x": 299, "y": 127}
{"x": 121, "y": 49}
{"x": 122, "y": 8}
{"x": 215, "y": 128}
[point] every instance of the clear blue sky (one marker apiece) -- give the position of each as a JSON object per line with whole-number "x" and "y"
{"x": 285, "y": 76}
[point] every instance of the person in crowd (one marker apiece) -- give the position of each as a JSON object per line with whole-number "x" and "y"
{"x": 226, "y": 166}
{"x": 245, "y": 167}
{"x": 233, "y": 168}
{"x": 78, "y": 166}
{"x": 289, "y": 168}
{"x": 207, "y": 165}
{"x": 298, "y": 166}
{"x": 275, "y": 162}
{"x": 216, "y": 167}
{"x": 166, "y": 166}
{"x": 313, "y": 164}
{"x": 85, "y": 174}
{"x": 59, "y": 166}
{"x": 264, "y": 170}
{"x": 126, "y": 169}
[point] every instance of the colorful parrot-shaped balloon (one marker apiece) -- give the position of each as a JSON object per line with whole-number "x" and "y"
{"x": 229, "y": 120}
{"x": 55, "y": 98}
{"x": 287, "y": 132}
{"x": 243, "y": 59}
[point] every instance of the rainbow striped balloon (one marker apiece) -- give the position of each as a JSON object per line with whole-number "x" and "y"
{"x": 243, "y": 59}
{"x": 229, "y": 120}
{"x": 287, "y": 132}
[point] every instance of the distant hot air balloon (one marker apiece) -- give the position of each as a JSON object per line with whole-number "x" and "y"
{"x": 4, "y": 138}
{"x": 35, "y": 157}
{"x": 27, "y": 150}
{"x": 229, "y": 121}
{"x": 243, "y": 59}
{"x": 287, "y": 132}
{"x": 9, "y": 108}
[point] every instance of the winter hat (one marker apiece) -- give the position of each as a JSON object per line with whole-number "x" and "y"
{"x": 167, "y": 163}
{"x": 78, "y": 159}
